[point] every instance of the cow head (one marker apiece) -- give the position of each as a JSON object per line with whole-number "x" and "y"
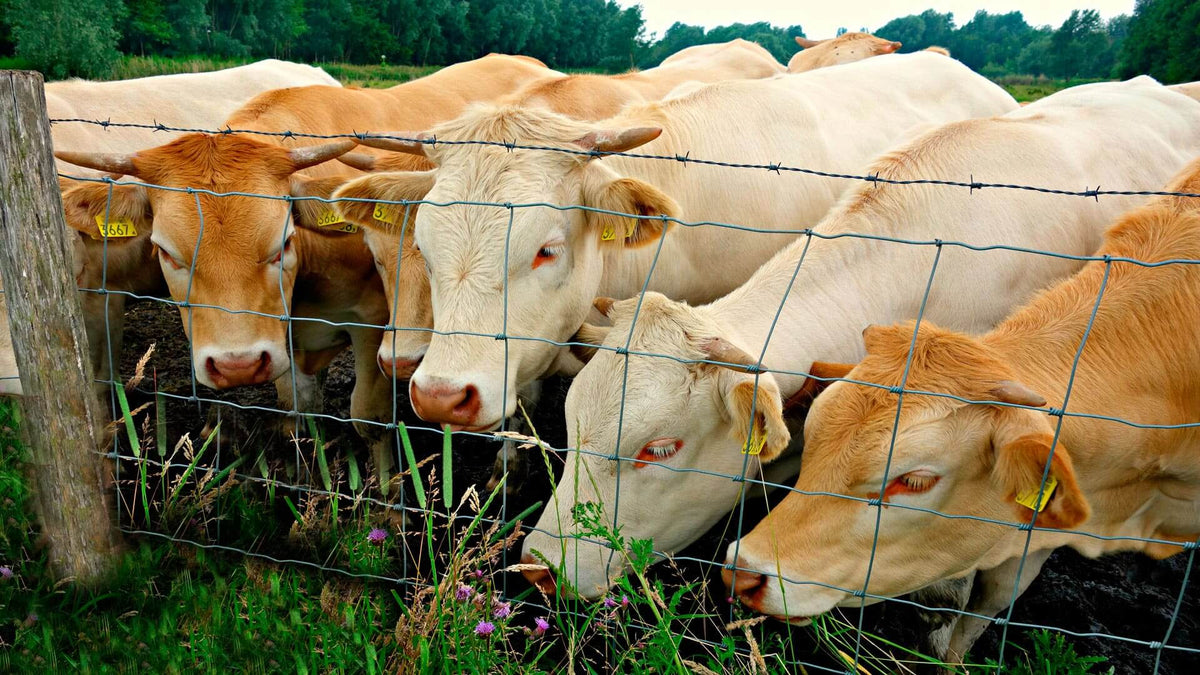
{"x": 389, "y": 235}
{"x": 813, "y": 551}
{"x": 678, "y": 428}
{"x": 845, "y": 48}
{"x": 529, "y": 272}
{"x": 231, "y": 258}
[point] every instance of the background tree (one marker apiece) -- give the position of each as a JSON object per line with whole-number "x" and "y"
{"x": 63, "y": 39}
{"x": 1163, "y": 41}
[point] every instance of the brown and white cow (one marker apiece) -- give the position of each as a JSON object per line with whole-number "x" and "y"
{"x": 1139, "y": 362}
{"x": 684, "y": 422}
{"x": 596, "y": 97}
{"x": 558, "y": 260}
{"x": 185, "y": 100}
{"x": 845, "y": 48}
{"x": 243, "y": 263}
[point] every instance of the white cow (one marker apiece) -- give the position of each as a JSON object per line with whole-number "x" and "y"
{"x": 831, "y": 119}
{"x": 680, "y": 416}
{"x": 197, "y": 100}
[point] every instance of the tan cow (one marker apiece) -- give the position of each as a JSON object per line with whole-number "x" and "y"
{"x": 596, "y": 97}
{"x": 243, "y": 262}
{"x": 198, "y": 100}
{"x": 560, "y": 260}
{"x": 1140, "y": 363}
{"x": 10, "y": 382}
{"x": 845, "y": 48}
{"x": 834, "y": 285}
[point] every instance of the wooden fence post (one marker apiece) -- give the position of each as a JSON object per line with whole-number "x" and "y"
{"x": 61, "y": 422}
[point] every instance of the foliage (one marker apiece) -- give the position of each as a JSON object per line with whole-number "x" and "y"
{"x": 1051, "y": 654}
{"x": 779, "y": 41}
{"x": 62, "y": 39}
{"x": 1163, "y": 41}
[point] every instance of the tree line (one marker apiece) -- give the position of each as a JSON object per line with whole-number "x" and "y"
{"x": 84, "y": 37}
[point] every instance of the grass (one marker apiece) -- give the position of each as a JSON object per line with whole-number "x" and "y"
{"x": 1027, "y": 88}
{"x": 183, "y": 606}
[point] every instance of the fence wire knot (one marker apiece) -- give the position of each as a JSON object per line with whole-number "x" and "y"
{"x": 896, "y": 390}
{"x": 500, "y": 336}
{"x": 972, "y": 185}
{"x": 1054, "y": 412}
{"x": 875, "y": 501}
{"x": 1094, "y": 194}
{"x": 684, "y": 157}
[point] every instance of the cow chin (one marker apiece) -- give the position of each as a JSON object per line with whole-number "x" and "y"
{"x": 589, "y": 569}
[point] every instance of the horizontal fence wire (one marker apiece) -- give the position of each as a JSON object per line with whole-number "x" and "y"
{"x": 745, "y": 478}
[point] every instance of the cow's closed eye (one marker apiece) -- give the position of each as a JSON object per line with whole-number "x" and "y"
{"x": 657, "y": 451}
{"x": 911, "y": 483}
{"x": 548, "y": 253}
{"x": 169, "y": 260}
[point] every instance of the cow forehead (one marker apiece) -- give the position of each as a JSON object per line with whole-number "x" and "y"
{"x": 234, "y": 225}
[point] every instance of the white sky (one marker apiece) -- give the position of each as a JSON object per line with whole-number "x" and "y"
{"x": 822, "y": 18}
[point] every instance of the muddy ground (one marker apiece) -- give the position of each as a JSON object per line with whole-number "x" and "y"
{"x": 1126, "y": 595}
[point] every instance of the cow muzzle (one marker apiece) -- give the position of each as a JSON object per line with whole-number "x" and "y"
{"x": 236, "y": 369}
{"x": 444, "y": 403}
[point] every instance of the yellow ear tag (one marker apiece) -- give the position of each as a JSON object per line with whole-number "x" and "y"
{"x": 630, "y": 227}
{"x": 385, "y": 214}
{"x": 1028, "y": 499}
{"x": 329, "y": 218}
{"x": 755, "y": 445}
{"x": 119, "y": 227}
{"x": 609, "y": 233}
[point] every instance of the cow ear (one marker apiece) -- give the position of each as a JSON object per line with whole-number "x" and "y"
{"x": 770, "y": 436}
{"x": 805, "y": 43}
{"x": 86, "y": 204}
{"x": 1021, "y": 440}
{"x": 798, "y": 403}
{"x": 889, "y": 47}
{"x": 398, "y": 186}
{"x": 604, "y": 190}
{"x": 314, "y": 214}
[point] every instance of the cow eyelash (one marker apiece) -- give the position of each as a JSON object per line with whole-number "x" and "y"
{"x": 287, "y": 246}
{"x": 912, "y": 483}
{"x": 657, "y": 451}
{"x": 547, "y": 254}
{"x": 163, "y": 255}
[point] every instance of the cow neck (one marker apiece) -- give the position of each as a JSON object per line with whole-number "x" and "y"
{"x": 842, "y": 286}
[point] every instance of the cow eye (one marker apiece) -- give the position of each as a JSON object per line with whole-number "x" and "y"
{"x": 912, "y": 483}
{"x": 169, "y": 259}
{"x": 548, "y": 253}
{"x": 657, "y": 451}
{"x": 287, "y": 246}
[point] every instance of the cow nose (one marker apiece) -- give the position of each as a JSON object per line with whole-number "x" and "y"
{"x": 397, "y": 368}
{"x": 745, "y": 584}
{"x": 543, "y": 579}
{"x": 235, "y": 369}
{"x": 445, "y": 404}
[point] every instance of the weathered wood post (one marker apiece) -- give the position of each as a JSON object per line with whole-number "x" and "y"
{"x": 60, "y": 421}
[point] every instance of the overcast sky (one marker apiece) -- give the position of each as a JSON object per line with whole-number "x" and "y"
{"x": 822, "y": 18}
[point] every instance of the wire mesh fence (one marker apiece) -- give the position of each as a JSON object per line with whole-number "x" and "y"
{"x": 410, "y": 499}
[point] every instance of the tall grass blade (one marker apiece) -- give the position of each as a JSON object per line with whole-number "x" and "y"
{"x": 354, "y": 473}
{"x": 447, "y": 470}
{"x": 418, "y": 487}
{"x": 160, "y": 423}
{"x": 192, "y": 465}
{"x": 322, "y": 461}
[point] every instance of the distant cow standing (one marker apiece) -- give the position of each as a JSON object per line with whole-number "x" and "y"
{"x": 845, "y": 48}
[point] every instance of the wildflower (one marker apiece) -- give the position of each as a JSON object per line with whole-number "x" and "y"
{"x": 480, "y": 600}
{"x": 624, "y": 601}
{"x": 540, "y": 626}
{"x": 377, "y": 535}
{"x": 5, "y": 572}
{"x": 485, "y": 628}
{"x": 478, "y": 574}
{"x": 503, "y": 609}
{"x": 609, "y": 603}
{"x": 463, "y": 593}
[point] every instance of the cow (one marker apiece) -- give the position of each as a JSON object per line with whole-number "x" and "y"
{"x": 1117, "y": 340}
{"x": 1191, "y": 89}
{"x": 681, "y": 416}
{"x": 10, "y": 381}
{"x": 845, "y": 48}
{"x": 597, "y": 97}
{"x": 183, "y": 100}
{"x": 560, "y": 260}
{"x": 239, "y": 263}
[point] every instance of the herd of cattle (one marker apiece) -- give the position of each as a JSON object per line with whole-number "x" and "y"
{"x": 490, "y": 251}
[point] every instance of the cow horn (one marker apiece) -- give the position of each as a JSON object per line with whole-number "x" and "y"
{"x": 311, "y": 155}
{"x": 618, "y": 140}
{"x": 720, "y": 349}
{"x": 1009, "y": 391}
{"x": 603, "y": 305}
{"x": 398, "y": 141}
{"x": 358, "y": 160}
{"x": 100, "y": 161}
{"x": 805, "y": 43}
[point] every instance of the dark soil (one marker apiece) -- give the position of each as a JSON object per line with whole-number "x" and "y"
{"x": 1126, "y": 596}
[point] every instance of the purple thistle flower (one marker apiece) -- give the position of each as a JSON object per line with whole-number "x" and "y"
{"x": 609, "y": 603}
{"x": 478, "y": 574}
{"x": 463, "y": 593}
{"x": 540, "y": 626}
{"x": 5, "y": 572}
{"x": 503, "y": 609}
{"x": 624, "y": 601}
{"x": 485, "y": 628}
{"x": 377, "y": 535}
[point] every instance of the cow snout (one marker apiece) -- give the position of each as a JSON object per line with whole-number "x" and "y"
{"x": 457, "y": 406}
{"x": 543, "y": 579}
{"x": 235, "y": 369}
{"x": 397, "y": 367}
{"x": 746, "y": 585}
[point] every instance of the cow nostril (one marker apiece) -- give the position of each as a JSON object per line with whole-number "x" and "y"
{"x": 264, "y": 360}
{"x": 211, "y": 365}
{"x": 543, "y": 579}
{"x": 742, "y": 582}
{"x": 470, "y": 396}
